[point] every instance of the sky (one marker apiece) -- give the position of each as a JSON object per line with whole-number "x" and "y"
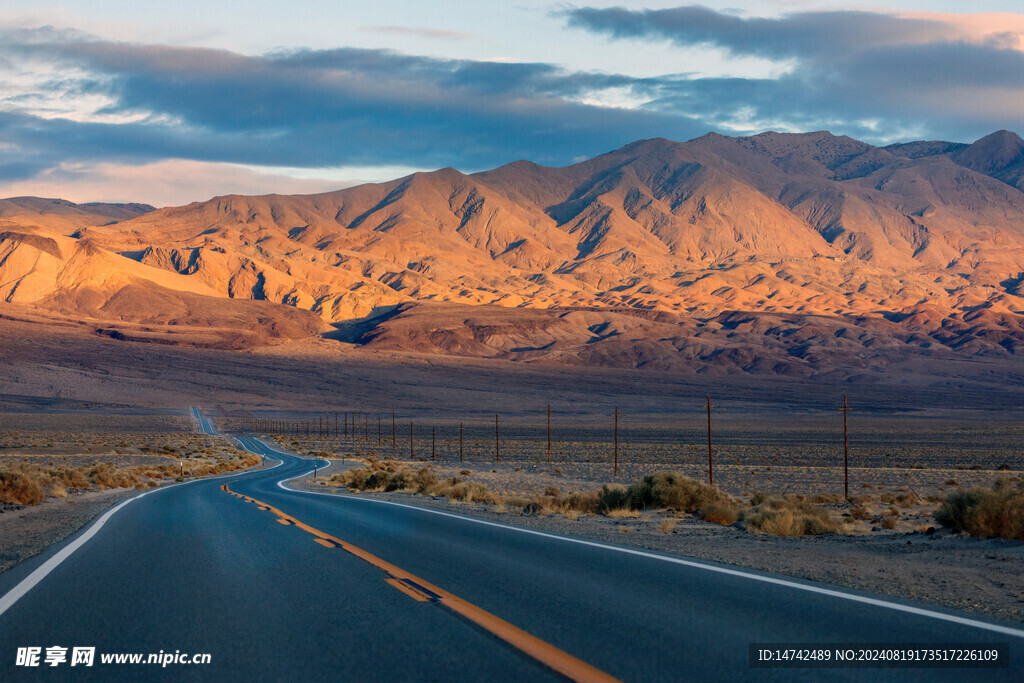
{"x": 168, "y": 103}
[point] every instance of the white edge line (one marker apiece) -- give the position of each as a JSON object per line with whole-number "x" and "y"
{"x": 43, "y": 570}
{"x": 876, "y": 602}
{"x": 290, "y": 455}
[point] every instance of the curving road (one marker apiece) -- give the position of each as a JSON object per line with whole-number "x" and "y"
{"x": 277, "y": 585}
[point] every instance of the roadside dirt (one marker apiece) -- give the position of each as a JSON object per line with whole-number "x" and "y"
{"x": 26, "y": 531}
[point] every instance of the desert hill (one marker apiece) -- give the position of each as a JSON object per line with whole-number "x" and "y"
{"x": 776, "y": 253}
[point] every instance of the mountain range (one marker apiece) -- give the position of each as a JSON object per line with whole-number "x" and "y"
{"x": 793, "y": 254}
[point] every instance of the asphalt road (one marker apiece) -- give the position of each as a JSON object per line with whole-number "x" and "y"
{"x": 206, "y": 425}
{"x": 283, "y": 585}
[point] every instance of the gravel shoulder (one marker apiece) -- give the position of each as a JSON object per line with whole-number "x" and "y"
{"x": 26, "y": 531}
{"x": 943, "y": 568}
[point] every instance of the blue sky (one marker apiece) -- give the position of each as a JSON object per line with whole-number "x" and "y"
{"x": 175, "y": 102}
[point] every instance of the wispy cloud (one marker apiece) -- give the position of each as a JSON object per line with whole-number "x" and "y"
{"x": 422, "y": 32}
{"x": 161, "y": 183}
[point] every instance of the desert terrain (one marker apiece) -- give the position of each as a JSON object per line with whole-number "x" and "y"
{"x": 777, "y": 275}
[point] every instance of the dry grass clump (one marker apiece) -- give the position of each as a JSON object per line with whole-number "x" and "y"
{"x": 670, "y": 490}
{"x": 996, "y": 512}
{"x": 388, "y": 476}
{"x": 721, "y": 512}
{"x": 20, "y": 487}
{"x": 675, "y": 490}
{"x": 786, "y": 516}
{"x": 622, "y": 513}
{"x": 29, "y": 484}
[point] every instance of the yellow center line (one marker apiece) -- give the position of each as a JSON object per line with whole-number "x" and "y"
{"x": 540, "y": 650}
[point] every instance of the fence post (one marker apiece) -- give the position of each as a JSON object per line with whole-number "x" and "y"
{"x": 549, "y": 432}
{"x": 711, "y": 470}
{"x": 846, "y": 451}
{"x": 616, "y": 441}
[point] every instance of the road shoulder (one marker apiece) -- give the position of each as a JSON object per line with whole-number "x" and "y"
{"x": 951, "y": 570}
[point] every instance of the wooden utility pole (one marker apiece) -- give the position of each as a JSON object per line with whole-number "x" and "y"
{"x": 616, "y": 441}
{"x": 497, "y": 446}
{"x": 549, "y": 432}
{"x": 711, "y": 462}
{"x": 846, "y": 451}
{"x": 460, "y": 442}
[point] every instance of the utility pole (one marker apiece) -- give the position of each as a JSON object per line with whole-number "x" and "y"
{"x": 711, "y": 463}
{"x": 549, "y": 432}
{"x": 616, "y": 441}
{"x": 846, "y": 451}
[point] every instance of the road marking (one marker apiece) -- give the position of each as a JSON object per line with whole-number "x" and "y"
{"x": 408, "y": 590}
{"x": 876, "y": 602}
{"x": 43, "y": 570}
{"x": 540, "y": 650}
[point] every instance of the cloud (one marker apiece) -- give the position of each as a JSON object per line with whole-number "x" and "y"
{"x": 72, "y": 104}
{"x": 862, "y": 73}
{"x": 315, "y": 108}
{"x": 162, "y": 183}
{"x": 817, "y": 34}
{"x": 422, "y": 32}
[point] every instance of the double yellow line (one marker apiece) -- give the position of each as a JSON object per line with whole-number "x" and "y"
{"x": 422, "y": 591}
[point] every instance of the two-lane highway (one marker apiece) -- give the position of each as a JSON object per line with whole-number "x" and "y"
{"x": 280, "y": 584}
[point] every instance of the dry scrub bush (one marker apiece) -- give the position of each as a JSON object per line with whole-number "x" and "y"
{"x": 996, "y": 512}
{"x": 674, "y": 490}
{"x": 583, "y": 501}
{"x": 20, "y": 487}
{"x": 721, "y": 512}
{"x": 610, "y": 499}
{"x": 671, "y": 490}
{"x": 389, "y": 476}
{"x": 788, "y": 516}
